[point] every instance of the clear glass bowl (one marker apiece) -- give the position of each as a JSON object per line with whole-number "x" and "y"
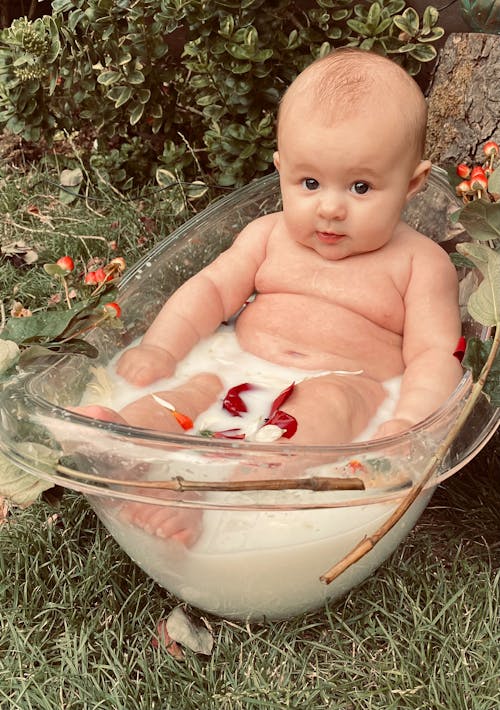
{"x": 261, "y": 552}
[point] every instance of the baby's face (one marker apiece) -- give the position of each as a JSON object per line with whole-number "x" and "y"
{"x": 344, "y": 184}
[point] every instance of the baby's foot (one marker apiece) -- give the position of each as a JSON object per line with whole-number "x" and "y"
{"x": 166, "y": 522}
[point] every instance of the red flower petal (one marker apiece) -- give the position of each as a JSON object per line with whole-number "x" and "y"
{"x": 284, "y": 421}
{"x": 232, "y": 402}
{"x": 281, "y": 399}
{"x": 229, "y": 434}
{"x": 460, "y": 348}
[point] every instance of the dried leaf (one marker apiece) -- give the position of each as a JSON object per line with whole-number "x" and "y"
{"x": 186, "y": 632}
{"x": 19, "y": 487}
{"x": 164, "y": 640}
{"x": 9, "y": 353}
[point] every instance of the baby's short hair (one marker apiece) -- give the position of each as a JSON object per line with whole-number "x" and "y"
{"x": 346, "y": 79}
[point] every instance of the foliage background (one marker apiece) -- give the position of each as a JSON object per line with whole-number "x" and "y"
{"x": 182, "y": 89}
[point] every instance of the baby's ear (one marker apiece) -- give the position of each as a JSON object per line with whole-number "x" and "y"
{"x": 419, "y": 178}
{"x": 276, "y": 160}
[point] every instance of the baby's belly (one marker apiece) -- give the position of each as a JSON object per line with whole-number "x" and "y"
{"x": 326, "y": 337}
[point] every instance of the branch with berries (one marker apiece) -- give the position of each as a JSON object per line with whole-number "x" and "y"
{"x": 88, "y": 303}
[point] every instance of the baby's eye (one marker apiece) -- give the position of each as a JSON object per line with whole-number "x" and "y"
{"x": 360, "y": 187}
{"x": 310, "y": 184}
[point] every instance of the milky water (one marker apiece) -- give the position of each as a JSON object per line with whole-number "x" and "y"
{"x": 222, "y": 355}
{"x": 252, "y": 563}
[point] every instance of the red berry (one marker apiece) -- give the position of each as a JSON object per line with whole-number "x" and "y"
{"x": 463, "y": 188}
{"x": 66, "y": 263}
{"x": 100, "y": 275}
{"x": 463, "y": 170}
{"x": 490, "y": 148}
{"x": 90, "y": 278}
{"x": 479, "y": 182}
{"x": 113, "y": 309}
{"x": 477, "y": 171}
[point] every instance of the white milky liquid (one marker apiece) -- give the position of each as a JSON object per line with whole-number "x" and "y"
{"x": 251, "y": 564}
{"x": 222, "y": 355}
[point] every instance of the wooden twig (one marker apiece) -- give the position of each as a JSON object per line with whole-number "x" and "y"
{"x": 313, "y": 483}
{"x": 369, "y": 542}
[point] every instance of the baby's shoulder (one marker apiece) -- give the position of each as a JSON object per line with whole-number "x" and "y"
{"x": 261, "y": 226}
{"x": 417, "y": 244}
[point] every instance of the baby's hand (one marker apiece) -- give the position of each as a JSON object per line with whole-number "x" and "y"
{"x": 393, "y": 426}
{"x": 144, "y": 364}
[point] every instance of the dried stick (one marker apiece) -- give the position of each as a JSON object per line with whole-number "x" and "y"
{"x": 369, "y": 542}
{"x": 314, "y": 483}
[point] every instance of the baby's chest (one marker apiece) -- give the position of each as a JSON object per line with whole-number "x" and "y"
{"x": 366, "y": 289}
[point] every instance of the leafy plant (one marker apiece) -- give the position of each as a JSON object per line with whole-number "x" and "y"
{"x": 27, "y": 336}
{"x": 186, "y": 86}
{"x": 480, "y": 217}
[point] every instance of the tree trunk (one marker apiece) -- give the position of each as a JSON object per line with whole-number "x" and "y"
{"x": 464, "y": 99}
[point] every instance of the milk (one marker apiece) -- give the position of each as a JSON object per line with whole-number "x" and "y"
{"x": 222, "y": 355}
{"x": 251, "y": 563}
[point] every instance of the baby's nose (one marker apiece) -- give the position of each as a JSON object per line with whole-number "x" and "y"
{"x": 332, "y": 206}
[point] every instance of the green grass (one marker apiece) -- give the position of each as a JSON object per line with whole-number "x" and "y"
{"x": 77, "y": 616}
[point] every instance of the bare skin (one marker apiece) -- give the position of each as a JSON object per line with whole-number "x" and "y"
{"x": 342, "y": 283}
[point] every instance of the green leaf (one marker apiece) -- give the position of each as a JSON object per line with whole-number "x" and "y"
{"x": 373, "y": 16}
{"x": 120, "y": 95}
{"x": 476, "y": 354}
{"x": 494, "y": 183}
{"x": 136, "y": 113}
{"x": 430, "y": 17}
{"x": 106, "y": 78}
{"x": 135, "y": 77}
{"x": 359, "y": 27}
{"x": 165, "y": 178}
{"x": 42, "y": 327}
{"x": 481, "y": 219}
{"x": 484, "y": 303}
{"x": 412, "y": 19}
{"x": 423, "y": 52}
{"x": 19, "y": 487}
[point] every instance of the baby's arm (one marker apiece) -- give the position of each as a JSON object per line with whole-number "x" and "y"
{"x": 431, "y": 331}
{"x": 199, "y": 306}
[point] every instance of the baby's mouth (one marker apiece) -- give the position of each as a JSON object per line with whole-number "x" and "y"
{"x": 329, "y": 237}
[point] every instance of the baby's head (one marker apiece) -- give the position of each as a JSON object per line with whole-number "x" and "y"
{"x": 351, "y": 82}
{"x": 351, "y": 133}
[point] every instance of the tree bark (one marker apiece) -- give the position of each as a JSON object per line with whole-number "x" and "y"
{"x": 464, "y": 99}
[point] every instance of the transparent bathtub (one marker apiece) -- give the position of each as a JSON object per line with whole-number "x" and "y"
{"x": 261, "y": 552}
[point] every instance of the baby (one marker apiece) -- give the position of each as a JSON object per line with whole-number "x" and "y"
{"x": 342, "y": 283}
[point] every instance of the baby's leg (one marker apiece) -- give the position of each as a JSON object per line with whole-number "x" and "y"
{"x": 333, "y": 409}
{"x": 192, "y": 398}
